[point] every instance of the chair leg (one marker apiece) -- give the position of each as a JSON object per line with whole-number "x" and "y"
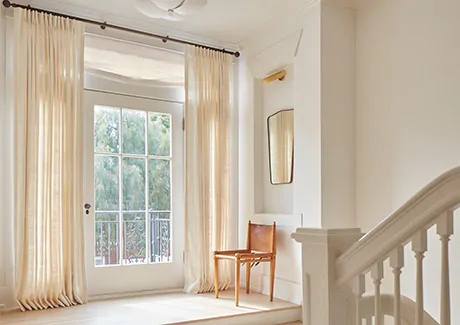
{"x": 272, "y": 278}
{"x": 248, "y": 276}
{"x": 237, "y": 282}
{"x": 216, "y": 276}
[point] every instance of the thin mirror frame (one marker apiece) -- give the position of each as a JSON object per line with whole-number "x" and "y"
{"x": 269, "y": 150}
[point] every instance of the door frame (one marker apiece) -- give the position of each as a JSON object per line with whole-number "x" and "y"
{"x": 162, "y": 276}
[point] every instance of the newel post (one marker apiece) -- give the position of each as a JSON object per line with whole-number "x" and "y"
{"x": 323, "y": 302}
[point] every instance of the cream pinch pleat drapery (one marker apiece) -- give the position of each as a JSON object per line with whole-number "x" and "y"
{"x": 208, "y": 84}
{"x": 48, "y": 91}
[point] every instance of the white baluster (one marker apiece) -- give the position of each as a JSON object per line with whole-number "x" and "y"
{"x": 445, "y": 229}
{"x": 359, "y": 288}
{"x": 419, "y": 247}
{"x": 369, "y": 321}
{"x": 377, "y": 276}
{"x": 397, "y": 263}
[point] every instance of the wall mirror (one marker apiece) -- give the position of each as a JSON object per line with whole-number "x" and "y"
{"x": 281, "y": 146}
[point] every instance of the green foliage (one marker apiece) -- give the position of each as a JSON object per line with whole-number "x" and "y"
{"x": 106, "y": 183}
{"x": 159, "y": 185}
{"x": 133, "y": 184}
{"x": 106, "y": 130}
{"x": 107, "y": 146}
{"x": 159, "y": 134}
{"x": 133, "y": 132}
{"x": 106, "y": 134}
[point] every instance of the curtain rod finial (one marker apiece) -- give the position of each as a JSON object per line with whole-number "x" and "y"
{"x": 237, "y": 54}
{"x": 6, "y": 3}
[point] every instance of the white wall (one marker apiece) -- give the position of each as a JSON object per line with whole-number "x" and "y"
{"x": 268, "y": 52}
{"x": 307, "y": 123}
{"x": 407, "y": 118}
{"x": 337, "y": 117}
{"x": 317, "y": 48}
{"x": 274, "y": 202}
{"x": 255, "y": 187}
{"x": 276, "y": 96}
{"x": 246, "y": 172}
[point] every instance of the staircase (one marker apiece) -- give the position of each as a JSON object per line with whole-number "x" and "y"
{"x": 336, "y": 262}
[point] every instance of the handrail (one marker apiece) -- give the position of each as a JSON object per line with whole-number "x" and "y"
{"x": 420, "y": 212}
{"x": 408, "y": 307}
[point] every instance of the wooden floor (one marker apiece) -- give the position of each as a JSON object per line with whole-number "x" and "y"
{"x": 172, "y": 308}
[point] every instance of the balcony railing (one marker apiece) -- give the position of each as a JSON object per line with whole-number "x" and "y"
{"x": 137, "y": 244}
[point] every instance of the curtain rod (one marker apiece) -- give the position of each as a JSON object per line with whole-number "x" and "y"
{"x": 104, "y": 25}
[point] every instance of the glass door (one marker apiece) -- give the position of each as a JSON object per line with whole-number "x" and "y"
{"x": 133, "y": 189}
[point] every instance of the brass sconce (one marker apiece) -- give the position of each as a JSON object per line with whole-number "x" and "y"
{"x": 277, "y": 76}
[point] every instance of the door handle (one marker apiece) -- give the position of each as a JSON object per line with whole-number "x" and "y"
{"x": 87, "y": 207}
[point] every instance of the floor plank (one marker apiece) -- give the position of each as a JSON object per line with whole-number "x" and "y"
{"x": 152, "y": 310}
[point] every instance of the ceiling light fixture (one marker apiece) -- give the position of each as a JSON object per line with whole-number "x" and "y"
{"x": 169, "y": 9}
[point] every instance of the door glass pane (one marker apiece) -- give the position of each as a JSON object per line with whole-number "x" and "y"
{"x": 159, "y": 184}
{"x": 160, "y": 230}
{"x": 134, "y": 250}
{"x": 125, "y": 233}
{"x": 133, "y": 132}
{"x": 106, "y": 129}
{"x": 134, "y": 184}
{"x": 106, "y": 183}
{"x": 159, "y": 134}
{"x": 107, "y": 242}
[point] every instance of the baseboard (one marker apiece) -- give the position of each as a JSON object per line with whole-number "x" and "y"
{"x": 132, "y": 294}
{"x": 5, "y": 310}
{"x": 284, "y": 289}
{"x": 7, "y": 300}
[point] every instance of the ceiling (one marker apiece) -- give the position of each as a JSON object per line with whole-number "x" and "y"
{"x": 220, "y": 22}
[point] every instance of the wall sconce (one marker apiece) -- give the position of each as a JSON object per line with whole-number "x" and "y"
{"x": 277, "y": 76}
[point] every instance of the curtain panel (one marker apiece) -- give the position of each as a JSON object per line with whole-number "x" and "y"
{"x": 208, "y": 87}
{"x": 48, "y": 90}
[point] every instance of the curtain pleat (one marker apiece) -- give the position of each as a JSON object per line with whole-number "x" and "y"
{"x": 208, "y": 76}
{"x": 48, "y": 91}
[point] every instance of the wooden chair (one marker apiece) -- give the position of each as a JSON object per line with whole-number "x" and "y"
{"x": 261, "y": 247}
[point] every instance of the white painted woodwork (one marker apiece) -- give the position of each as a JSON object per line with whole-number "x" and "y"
{"x": 445, "y": 229}
{"x": 323, "y": 302}
{"x": 420, "y": 211}
{"x": 397, "y": 263}
{"x": 377, "y": 276}
{"x": 407, "y": 225}
{"x": 142, "y": 277}
{"x": 408, "y": 307}
{"x": 419, "y": 247}
{"x": 359, "y": 288}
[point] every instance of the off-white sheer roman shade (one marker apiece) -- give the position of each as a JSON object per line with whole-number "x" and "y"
{"x": 133, "y": 63}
